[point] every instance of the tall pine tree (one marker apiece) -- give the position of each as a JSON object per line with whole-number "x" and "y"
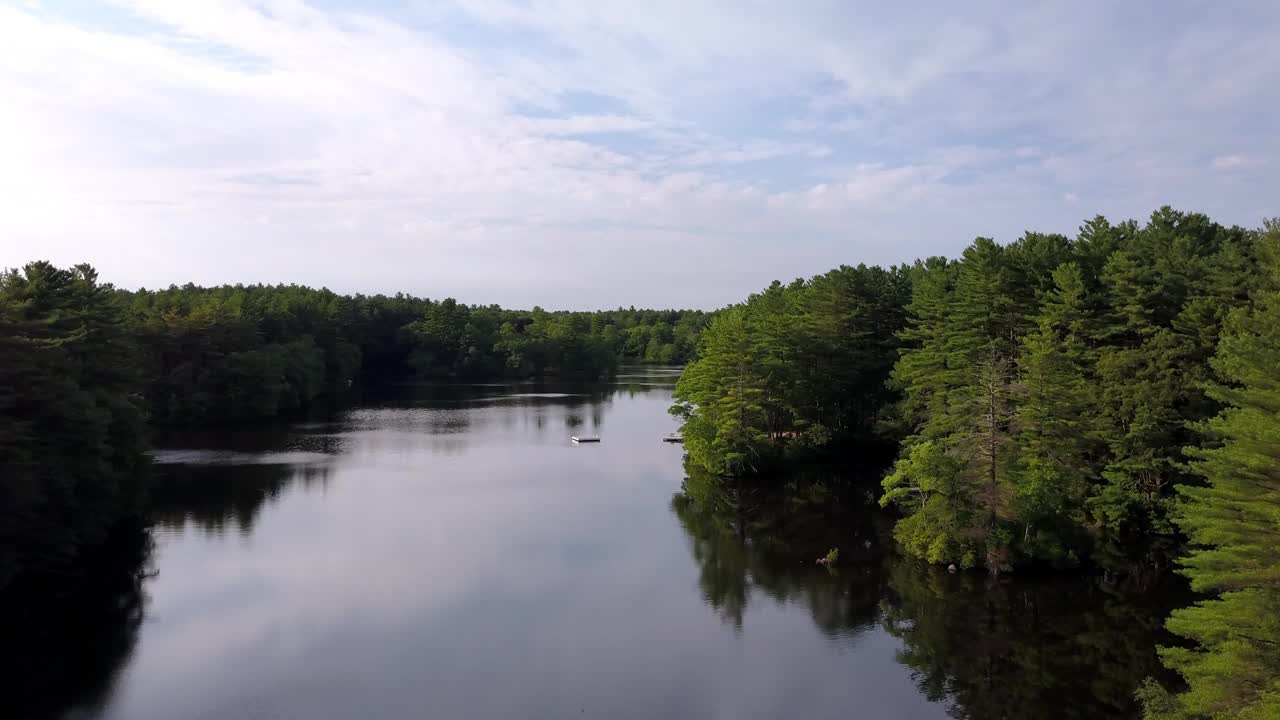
{"x": 1058, "y": 439}
{"x": 1234, "y": 526}
{"x": 954, "y": 479}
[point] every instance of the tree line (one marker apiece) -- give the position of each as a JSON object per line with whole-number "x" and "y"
{"x": 794, "y": 369}
{"x": 86, "y": 367}
{"x": 236, "y": 353}
{"x": 1055, "y": 400}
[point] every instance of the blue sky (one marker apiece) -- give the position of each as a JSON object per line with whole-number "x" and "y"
{"x": 595, "y": 154}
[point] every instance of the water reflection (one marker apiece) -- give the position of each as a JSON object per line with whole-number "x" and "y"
{"x": 765, "y": 537}
{"x": 218, "y": 499}
{"x": 1028, "y": 647}
{"x": 66, "y": 639}
{"x": 457, "y": 556}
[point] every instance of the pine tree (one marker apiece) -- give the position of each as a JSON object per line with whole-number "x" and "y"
{"x": 1057, "y": 436}
{"x": 721, "y": 399}
{"x": 1234, "y": 526}
{"x": 71, "y": 435}
{"x": 921, "y": 372}
{"x": 1166, "y": 294}
{"x": 957, "y": 464}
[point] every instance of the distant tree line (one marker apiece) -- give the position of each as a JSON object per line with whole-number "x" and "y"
{"x": 244, "y": 352}
{"x": 1054, "y": 400}
{"x": 84, "y": 367}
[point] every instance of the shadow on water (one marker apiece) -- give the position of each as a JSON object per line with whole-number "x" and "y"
{"x": 1021, "y": 646}
{"x": 222, "y": 498}
{"x": 764, "y": 538}
{"x": 1052, "y": 648}
{"x": 66, "y": 638}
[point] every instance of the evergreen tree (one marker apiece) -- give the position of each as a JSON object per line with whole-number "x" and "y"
{"x": 1058, "y": 440}
{"x": 1165, "y": 298}
{"x": 795, "y": 369}
{"x": 1233, "y": 523}
{"x": 961, "y": 451}
{"x": 71, "y": 421}
{"x": 722, "y": 400}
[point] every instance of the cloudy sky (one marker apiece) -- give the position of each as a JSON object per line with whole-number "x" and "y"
{"x": 584, "y": 153}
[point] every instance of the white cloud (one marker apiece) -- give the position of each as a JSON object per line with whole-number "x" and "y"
{"x": 1228, "y": 162}
{"x": 587, "y": 124}
{"x": 269, "y": 140}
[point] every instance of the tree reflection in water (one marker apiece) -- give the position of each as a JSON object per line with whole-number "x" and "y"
{"x": 66, "y": 637}
{"x": 221, "y": 498}
{"x": 765, "y": 538}
{"x": 1027, "y": 646}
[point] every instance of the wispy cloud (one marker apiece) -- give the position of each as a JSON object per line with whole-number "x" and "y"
{"x": 1229, "y": 162}
{"x": 685, "y": 152}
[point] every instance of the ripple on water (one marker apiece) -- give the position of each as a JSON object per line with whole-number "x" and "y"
{"x": 233, "y": 457}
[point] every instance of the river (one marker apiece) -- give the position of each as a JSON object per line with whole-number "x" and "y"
{"x": 450, "y": 553}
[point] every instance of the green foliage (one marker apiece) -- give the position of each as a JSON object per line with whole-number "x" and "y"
{"x": 958, "y": 370}
{"x": 1050, "y": 386}
{"x": 71, "y": 420}
{"x": 1058, "y": 437}
{"x": 1233, "y": 524}
{"x": 237, "y": 353}
{"x": 792, "y": 370}
{"x": 83, "y": 366}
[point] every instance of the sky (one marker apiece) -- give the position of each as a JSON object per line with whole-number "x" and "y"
{"x": 587, "y": 154}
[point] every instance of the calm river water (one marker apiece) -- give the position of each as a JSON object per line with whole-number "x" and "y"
{"x": 451, "y": 554}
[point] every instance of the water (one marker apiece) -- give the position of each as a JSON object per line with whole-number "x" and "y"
{"x": 449, "y": 553}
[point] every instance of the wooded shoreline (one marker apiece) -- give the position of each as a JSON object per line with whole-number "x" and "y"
{"x": 1108, "y": 398}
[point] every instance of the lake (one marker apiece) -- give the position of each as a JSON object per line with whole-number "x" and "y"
{"x": 448, "y": 553}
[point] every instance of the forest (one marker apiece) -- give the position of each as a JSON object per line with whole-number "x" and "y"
{"x": 86, "y": 369}
{"x": 238, "y": 353}
{"x": 1108, "y": 400}
{"x": 1055, "y": 403}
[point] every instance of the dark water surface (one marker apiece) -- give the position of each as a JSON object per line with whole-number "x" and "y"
{"x": 451, "y": 554}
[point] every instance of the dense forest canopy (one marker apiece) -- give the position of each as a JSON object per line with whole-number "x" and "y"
{"x": 1233, "y": 523}
{"x": 1042, "y": 392}
{"x": 796, "y": 366}
{"x": 242, "y": 352}
{"x": 72, "y": 414}
{"x": 1054, "y": 400}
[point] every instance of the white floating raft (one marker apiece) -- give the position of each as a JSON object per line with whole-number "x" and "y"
{"x": 585, "y": 438}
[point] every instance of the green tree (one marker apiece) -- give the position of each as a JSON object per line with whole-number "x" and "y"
{"x": 795, "y": 370}
{"x": 1233, "y": 524}
{"x": 71, "y": 421}
{"x": 721, "y": 399}
{"x": 964, "y": 432}
{"x": 1058, "y": 440}
{"x": 1166, "y": 291}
